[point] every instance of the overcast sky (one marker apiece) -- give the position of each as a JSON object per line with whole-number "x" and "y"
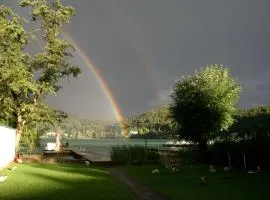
{"x": 142, "y": 46}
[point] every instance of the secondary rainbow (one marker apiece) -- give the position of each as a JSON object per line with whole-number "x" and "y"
{"x": 132, "y": 34}
{"x": 100, "y": 79}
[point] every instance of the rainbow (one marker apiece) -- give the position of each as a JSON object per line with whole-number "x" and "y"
{"x": 101, "y": 81}
{"x": 133, "y": 36}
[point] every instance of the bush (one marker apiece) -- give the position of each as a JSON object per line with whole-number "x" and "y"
{"x": 188, "y": 155}
{"x": 133, "y": 155}
{"x": 30, "y": 140}
{"x": 256, "y": 152}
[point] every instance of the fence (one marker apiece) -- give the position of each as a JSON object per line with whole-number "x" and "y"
{"x": 7, "y": 145}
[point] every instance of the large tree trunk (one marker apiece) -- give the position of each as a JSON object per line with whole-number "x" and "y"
{"x": 202, "y": 149}
{"x": 19, "y": 129}
{"x": 58, "y": 142}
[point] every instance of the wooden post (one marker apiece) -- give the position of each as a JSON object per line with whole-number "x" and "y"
{"x": 245, "y": 164}
{"x": 229, "y": 159}
{"x": 58, "y": 143}
{"x": 145, "y": 142}
{"x": 145, "y": 148}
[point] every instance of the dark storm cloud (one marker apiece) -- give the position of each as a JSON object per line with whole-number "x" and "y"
{"x": 263, "y": 86}
{"x": 171, "y": 38}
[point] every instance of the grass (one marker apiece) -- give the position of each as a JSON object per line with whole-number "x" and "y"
{"x": 185, "y": 183}
{"x": 59, "y": 181}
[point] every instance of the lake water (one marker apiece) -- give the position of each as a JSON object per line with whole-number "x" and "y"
{"x": 103, "y": 146}
{"x": 108, "y": 142}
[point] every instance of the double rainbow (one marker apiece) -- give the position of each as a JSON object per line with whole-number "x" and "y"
{"x": 101, "y": 81}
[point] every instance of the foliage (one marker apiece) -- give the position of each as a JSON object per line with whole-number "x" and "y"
{"x": 78, "y": 128}
{"x": 156, "y": 120}
{"x": 27, "y": 78}
{"x": 30, "y": 139}
{"x": 249, "y": 135}
{"x": 17, "y": 83}
{"x": 256, "y": 153}
{"x": 33, "y": 131}
{"x": 152, "y": 135}
{"x": 71, "y": 126}
{"x": 204, "y": 104}
{"x": 133, "y": 155}
{"x": 253, "y": 123}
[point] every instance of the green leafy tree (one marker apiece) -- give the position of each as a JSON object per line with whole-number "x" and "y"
{"x": 156, "y": 120}
{"x": 25, "y": 79}
{"x": 71, "y": 126}
{"x": 32, "y": 132}
{"x": 204, "y": 104}
{"x": 82, "y": 128}
{"x": 30, "y": 138}
{"x": 253, "y": 123}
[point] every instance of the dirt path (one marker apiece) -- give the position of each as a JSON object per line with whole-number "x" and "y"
{"x": 140, "y": 191}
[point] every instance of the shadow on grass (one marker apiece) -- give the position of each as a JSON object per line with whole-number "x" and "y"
{"x": 56, "y": 181}
{"x": 72, "y": 168}
{"x": 186, "y": 184}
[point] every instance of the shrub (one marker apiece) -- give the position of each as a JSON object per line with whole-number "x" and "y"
{"x": 256, "y": 152}
{"x": 188, "y": 155}
{"x": 133, "y": 155}
{"x": 30, "y": 140}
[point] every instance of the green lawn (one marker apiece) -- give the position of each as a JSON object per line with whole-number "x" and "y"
{"x": 185, "y": 183}
{"x": 58, "y": 181}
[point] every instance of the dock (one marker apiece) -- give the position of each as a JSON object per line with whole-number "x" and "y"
{"x": 92, "y": 156}
{"x": 74, "y": 155}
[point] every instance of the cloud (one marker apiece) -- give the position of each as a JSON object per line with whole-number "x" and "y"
{"x": 178, "y": 42}
{"x": 263, "y": 86}
{"x": 163, "y": 98}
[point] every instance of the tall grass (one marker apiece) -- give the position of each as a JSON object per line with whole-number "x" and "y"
{"x": 127, "y": 154}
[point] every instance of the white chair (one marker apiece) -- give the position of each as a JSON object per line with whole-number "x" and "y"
{"x": 50, "y": 146}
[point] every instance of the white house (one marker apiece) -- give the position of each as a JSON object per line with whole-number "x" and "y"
{"x": 132, "y": 133}
{"x": 7, "y": 145}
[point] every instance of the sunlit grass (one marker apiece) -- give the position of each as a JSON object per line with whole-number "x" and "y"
{"x": 185, "y": 184}
{"x": 57, "y": 181}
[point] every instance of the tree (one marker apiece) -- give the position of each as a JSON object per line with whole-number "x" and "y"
{"x": 156, "y": 120}
{"x": 253, "y": 123}
{"x": 25, "y": 79}
{"x": 203, "y": 104}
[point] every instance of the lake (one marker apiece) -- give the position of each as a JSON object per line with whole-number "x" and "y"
{"x": 103, "y": 146}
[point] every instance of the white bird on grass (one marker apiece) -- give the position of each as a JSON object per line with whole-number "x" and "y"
{"x": 155, "y": 171}
{"x": 212, "y": 169}
{"x": 254, "y": 172}
{"x": 2, "y": 178}
{"x": 19, "y": 160}
{"x": 174, "y": 169}
{"x": 203, "y": 180}
{"x": 226, "y": 169}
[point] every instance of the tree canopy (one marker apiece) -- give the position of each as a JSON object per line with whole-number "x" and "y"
{"x": 25, "y": 79}
{"x": 73, "y": 127}
{"x": 204, "y": 104}
{"x": 253, "y": 123}
{"x": 155, "y": 120}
